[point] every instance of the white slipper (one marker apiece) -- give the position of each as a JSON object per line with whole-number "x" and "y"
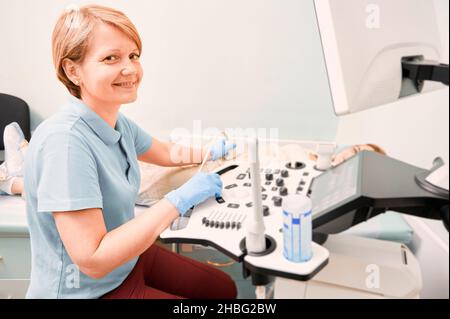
{"x": 13, "y": 139}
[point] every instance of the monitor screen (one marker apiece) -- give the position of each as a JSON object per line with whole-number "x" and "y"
{"x": 336, "y": 187}
{"x": 364, "y": 43}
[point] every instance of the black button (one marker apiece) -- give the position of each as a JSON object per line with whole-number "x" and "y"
{"x": 263, "y": 189}
{"x": 302, "y": 183}
{"x": 204, "y": 219}
{"x": 233, "y": 224}
{"x": 241, "y": 176}
{"x": 231, "y": 186}
{"x": 284, "y": 173}
{"x": 222, "y": 225}
{"x": 274, "y": 189}
{"x": 268, "y": 183}
{"x": 280, "y": 182}
{"x": 248, "y": 184}
{"x": 277, "y": 201}
{"x": 217, "y": 224}
{"x": 299, "y": 165}
{"x": 227, "y": 225}
{"x": 249, "y": 204}
{"x": 207, "y": 223}
{"x": 283, "y": 191}
{"x": 266, "y": 210}
{"x": 296, "y": 165}
{"x": 299, "y": 189}
{"x": 220, "y": 200}
{"x": 269, "y": 176}
{"x": 231, "y": 205}
{"x": 238, "y": 226}
{"x": 264, "y": 196}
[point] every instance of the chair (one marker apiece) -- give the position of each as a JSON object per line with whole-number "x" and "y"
{"x": 14, "y": 109}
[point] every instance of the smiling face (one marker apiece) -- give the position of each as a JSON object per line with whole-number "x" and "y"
{"x": 110, "y": 73}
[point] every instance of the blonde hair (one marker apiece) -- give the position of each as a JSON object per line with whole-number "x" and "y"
{"x": 71, "y": 35}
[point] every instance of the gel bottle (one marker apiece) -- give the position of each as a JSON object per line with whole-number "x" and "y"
{"x": 297, "y": 228}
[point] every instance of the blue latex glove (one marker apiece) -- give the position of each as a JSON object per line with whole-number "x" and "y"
{"x": 221, "y": 149}
{"x": 195, "y": 191}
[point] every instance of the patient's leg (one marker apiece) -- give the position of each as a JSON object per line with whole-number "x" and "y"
{"x": 9, "y": 184}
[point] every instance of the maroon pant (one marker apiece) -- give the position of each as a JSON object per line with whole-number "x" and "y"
{"x": 160, "y": 273}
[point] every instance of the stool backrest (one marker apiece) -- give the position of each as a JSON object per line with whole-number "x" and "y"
{"x": 14, "y": 109}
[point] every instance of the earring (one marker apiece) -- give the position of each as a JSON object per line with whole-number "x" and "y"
{"x": 76, "y": 82}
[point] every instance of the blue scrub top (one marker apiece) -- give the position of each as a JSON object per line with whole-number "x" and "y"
{"x": 76, "y": 161}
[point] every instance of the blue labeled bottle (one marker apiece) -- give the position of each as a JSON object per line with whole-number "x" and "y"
{"x": 297, "y": 228}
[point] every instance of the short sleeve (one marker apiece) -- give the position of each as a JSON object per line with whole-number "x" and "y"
{"x": 142, "y": 140}
{"x": 67, "y": 176}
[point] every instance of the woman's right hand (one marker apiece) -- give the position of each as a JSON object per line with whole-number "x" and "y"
{"x": 195, "y": 191}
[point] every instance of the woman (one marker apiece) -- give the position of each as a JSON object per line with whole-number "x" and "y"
{"x": 82, "y": 177}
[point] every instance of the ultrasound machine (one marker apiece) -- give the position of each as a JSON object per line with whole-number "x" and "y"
{"x": 401, "y": 59}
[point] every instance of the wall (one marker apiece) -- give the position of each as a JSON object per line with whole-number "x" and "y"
{"x": 229, "y": 63}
